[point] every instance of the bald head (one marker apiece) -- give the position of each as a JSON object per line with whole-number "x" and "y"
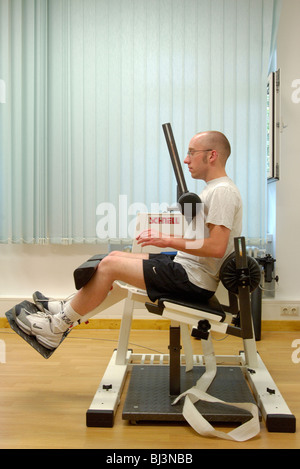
{"x": 216, "y": 141}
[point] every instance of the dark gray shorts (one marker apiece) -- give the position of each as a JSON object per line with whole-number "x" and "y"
{"x": 166, "y": 278}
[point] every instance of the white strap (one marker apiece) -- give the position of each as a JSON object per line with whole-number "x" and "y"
{"x": 198, "y": 392}
{"x": 203, "y": 427}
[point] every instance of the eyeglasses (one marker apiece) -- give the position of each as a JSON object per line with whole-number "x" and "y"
{"x": 191, "y": 152}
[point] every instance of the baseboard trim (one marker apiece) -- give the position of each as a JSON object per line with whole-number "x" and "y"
{"x": 280, "y": 326}
{"x": 137, "y": 324}
{"x": 163, "y": 324}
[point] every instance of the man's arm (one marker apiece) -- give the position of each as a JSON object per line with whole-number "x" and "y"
{"x": 213, "y": 246}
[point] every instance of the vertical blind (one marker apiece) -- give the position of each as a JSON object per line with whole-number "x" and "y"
{"x": 89, "y": 84}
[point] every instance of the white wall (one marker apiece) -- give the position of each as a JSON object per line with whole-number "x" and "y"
{"x": 25, "y": 269}
{"x": 288, "y": 188}
{"x": 284, "y": 194}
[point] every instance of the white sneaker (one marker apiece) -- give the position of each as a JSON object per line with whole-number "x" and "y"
{"x": 45, "y": 304}
{"x": 50, "y": 305}
{"x": 48, "y": 329}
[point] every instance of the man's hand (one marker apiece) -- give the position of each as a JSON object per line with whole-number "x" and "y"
{"x": 152, "y": 238}
{"x": 213, "y": 246}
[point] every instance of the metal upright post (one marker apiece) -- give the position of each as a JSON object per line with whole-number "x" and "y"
{"x": 174, "y": 363}
{"x": 247, "y": 330}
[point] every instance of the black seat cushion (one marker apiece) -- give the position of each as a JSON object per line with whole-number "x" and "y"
{"x": 212, "y": 305}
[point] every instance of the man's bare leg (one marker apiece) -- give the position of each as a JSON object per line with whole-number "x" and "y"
{"x": 132, "y": 255}
{"x": 55, "y": 306}
{"x": 124, "y": 267}
{"x": 49, "y": 329}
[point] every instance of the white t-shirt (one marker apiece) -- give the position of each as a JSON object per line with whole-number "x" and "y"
{"x": 222, "y": 206}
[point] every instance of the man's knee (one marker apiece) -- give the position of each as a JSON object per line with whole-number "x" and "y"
{"x": 106, "y": 261}
{"x": 109, "y": 265}
{"x": 113, "y": 253}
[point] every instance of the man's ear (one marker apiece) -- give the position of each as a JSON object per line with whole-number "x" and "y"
{"x": 213, "y": 156}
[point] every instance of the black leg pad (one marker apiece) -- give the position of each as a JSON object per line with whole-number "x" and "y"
{"x": 84, "y": 273}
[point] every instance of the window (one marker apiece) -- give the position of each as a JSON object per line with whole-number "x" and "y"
{"x": 89, "y": 85}
{"x": 273, "y": 126}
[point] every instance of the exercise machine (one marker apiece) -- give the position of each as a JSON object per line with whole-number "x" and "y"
{"x": 205, "y": 389}
{"x": 227, "y": 389}
{"x": 158, "y": 380}
{"x": 159, "y": 383}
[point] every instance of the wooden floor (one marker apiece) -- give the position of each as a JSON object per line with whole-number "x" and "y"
{"x": 43, "y": 403}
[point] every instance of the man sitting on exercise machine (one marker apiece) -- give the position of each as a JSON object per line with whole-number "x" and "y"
{"x": 192, "y": 273}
